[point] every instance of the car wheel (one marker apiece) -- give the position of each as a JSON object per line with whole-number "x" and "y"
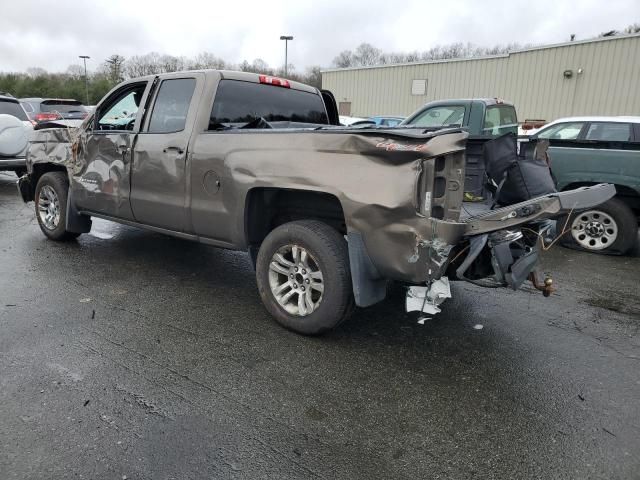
{"x": 304, "y": 278}
{"x": 51, "y": 205}
{"x": 610, "y": 228}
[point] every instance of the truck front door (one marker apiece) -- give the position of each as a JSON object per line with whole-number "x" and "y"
{"x": 103, "y": 167}
{"x": 158, "y": 183}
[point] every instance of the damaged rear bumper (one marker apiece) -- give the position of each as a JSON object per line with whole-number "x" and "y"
{"x": 507, "y": 256}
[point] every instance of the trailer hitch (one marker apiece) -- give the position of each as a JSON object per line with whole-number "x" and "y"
{"x": 545, "y": 285}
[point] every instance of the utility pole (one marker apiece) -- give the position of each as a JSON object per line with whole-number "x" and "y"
{"x": 86, "y": 80}
{"x": 286, "y": 39}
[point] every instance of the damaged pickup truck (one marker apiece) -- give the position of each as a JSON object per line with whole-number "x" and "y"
{"x": 328, "y": 214}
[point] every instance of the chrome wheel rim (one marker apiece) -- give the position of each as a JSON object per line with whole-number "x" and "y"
{"x": 49, "y": 207}
{"x": 296, "y": 280}
{"x": 594, "y": 230}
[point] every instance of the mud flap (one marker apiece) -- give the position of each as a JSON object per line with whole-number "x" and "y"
{"x": 368, "y": 285}
{"x": 76, "y": 222}
{"x": 25, "y": 188}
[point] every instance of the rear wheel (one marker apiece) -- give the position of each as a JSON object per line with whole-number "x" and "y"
{"x": 609, "y": 228}
{"x": 303, "y": 276}
{"x": 51, "y": 205}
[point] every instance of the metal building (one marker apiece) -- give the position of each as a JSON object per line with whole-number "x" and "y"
{"x": 590, "y": 77}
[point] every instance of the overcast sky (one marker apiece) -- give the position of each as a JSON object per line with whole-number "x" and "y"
{"x": 35, "y": 35}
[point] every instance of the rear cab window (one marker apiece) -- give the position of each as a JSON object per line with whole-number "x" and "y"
{"x": 609, "y": 132}
{"x": 500, "y": 119}
{"x": 238, "y": 103}
{"x": 13, "y": 108}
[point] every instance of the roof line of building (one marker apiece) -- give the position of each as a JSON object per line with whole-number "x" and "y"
{"x": 485, "y": 57}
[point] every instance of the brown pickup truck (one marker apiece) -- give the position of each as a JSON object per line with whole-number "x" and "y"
{"x": 328, "y": 214}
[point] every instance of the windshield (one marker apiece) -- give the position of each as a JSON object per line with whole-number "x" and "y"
{"x": 13, "y": 108}
{"x": 238, "y": 103}
{"x": 500, "y": 119}
{"x": 440, "y": 116}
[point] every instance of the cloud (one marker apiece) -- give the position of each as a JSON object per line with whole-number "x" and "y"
{"x": 52, "y": 37}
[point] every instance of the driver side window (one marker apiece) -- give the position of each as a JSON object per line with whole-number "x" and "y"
{"x": 120, "y": 111}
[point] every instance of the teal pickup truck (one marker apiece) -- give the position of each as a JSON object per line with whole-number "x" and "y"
{"x": 590, "y": 150}
{"x": 484, "y": 119}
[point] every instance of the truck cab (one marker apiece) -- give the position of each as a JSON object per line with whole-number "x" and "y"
{"x": 486, "y": 117}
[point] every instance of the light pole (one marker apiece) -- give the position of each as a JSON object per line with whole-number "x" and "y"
{"x": 86, "y": 81}
{"x": 286, "y": 39}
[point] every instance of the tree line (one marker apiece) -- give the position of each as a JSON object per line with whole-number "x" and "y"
{"x": 37, "y": 82}
{"x": 366, "y": 55}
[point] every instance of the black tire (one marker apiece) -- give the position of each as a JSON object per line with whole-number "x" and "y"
{"x": 60, "y": 184}
{"x": 328, "y": 251}
{"x": 624, "y": 221}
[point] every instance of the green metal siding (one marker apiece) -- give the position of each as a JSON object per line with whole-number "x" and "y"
{"x": 532, "y": 79}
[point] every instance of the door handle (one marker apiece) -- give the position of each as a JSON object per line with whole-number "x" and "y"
{"x": 176, "y": 149}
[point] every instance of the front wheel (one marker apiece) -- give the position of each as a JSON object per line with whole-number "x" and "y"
{"x": 304, "y": 278}
{"x": 610, "y": 228}
{"x": 51, "y": 205}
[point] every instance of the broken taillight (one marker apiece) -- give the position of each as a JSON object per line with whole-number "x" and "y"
{"x": 278, "y": 82}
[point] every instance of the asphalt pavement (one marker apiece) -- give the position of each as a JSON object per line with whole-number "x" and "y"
{"x": 128, "y": 354}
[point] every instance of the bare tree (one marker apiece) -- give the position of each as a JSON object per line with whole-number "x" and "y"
{"x": 208, "y": 60}
{"x": 633, "y": 28}
{"x": 367, "y": 55}
{"x": 344, "y": 59}
{"x": 114, "y": 68}
{"x": 34, "y": 72}
{"x": 75, "y": 71}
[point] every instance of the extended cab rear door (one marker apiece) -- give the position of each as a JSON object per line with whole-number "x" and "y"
{"x": 158, "y": 181}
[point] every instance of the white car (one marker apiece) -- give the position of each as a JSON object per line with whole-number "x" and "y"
{"x": 346, "y": 120}
{"x": 15, "y": 130}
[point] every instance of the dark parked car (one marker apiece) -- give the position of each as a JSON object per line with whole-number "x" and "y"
{"x": 49, "y": 109}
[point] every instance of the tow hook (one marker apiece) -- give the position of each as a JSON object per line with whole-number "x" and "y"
{"x": 545, "y": 286}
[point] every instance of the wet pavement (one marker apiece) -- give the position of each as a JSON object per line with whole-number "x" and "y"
{"x": 131, "y": 354}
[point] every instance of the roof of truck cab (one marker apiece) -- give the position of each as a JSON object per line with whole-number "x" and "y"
{"x": 486, "y": 101}
{"x": 235, "y": 75}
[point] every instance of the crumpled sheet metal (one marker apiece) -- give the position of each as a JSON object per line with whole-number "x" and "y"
{"x": 51, "y": 145}
{"x": 374, "y": 174}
